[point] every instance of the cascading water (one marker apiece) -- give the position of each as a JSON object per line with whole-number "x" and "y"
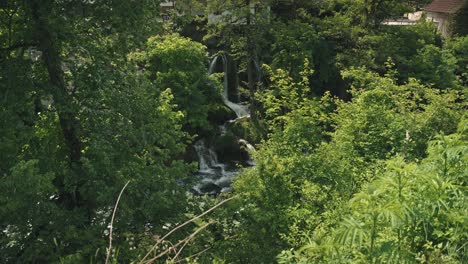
{"x": 249, "y": 149}
{"x": 259, "y": 71}
{"x": 216, "y": 177}
{"x": 240, "y": 110}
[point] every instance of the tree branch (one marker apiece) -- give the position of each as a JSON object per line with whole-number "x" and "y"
{"x": 182, "y": 225}
{"x": 19, "y": 45}
{"x": 111, "y": 226}
{"x": 185, "y": 241}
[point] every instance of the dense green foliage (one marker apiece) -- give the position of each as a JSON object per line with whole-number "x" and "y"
{"x": 78, "y": 122}
{"x": 306, "y": 173}
{"x": 360, "y": 130}
{"x": 180, "y": 64}
{"x": 411, "y": 212}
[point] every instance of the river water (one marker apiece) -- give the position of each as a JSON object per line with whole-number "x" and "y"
{"x": 216, "y": 177}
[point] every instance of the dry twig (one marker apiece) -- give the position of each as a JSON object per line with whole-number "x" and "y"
{"x": 182, "y": 225}
{"x": 112, "y": 223}
{"x": 174, "y": 247}
{"x": 195, "y": 255}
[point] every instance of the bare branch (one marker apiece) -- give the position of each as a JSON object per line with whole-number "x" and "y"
{"x": 182, "y": 225}
{"x": 174, "y": 247}
{"x": 111, "y": 226}
{"x": 196, "y": 254}
{"x": 188, "y": 240}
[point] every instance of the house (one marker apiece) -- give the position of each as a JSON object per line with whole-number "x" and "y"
{"x": 255, "y": 9}
{"x": 410, "y": 19}
{"x": 166, "y": 8}
{"x": 177, "y": 8}
{"x": 442, "y": 13}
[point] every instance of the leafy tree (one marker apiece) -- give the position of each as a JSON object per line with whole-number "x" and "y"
{"x": 412, "y": 213}
{"x": 95, "y": 94}
{"x": 284, "y": 95}
{"x": 237, "y": 25}
{"x": 435, "y": 66}
{"x": 384, "y": 118}
{"x": 180, "y": 64}
{"x": 460, "y": 22}
{"x": 281, "y": 194}
{"x": 400, "y": 44}
{"x": 458, "y": 47}
{"x": 300, "y": 39}
{"x": 370, "y": 13}
{"x": 78, "y": 122}
{"x": 305, "y": 173}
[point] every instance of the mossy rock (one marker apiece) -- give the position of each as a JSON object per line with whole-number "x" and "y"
{"x": 230, "y": 151}
{"x": 243, "y": 128}
{"x": 209, "y": 188}
{"x": 220, "y": 114}
{"x": 227, "y": 148}
{"x": 190, "y": 154}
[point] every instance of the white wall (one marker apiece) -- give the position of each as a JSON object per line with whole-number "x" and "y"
{"x": 442, "y": 22}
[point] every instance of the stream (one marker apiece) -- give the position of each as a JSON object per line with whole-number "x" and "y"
{"x": 216, "y": 177}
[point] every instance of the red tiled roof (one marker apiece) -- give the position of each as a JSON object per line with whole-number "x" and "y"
{"x": 445, "y": 6}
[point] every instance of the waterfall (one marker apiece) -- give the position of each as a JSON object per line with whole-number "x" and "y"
{"x": 250, "y": 149}
{"x": 259, "y": 71}
{"x": 207, "y": 158}
{"x": 213, "y": 65}
{"x": 216, "y": 177}
{"x": 239, "y": 109}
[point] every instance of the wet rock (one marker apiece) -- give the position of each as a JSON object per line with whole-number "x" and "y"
{"x": 207, "y": 188}
{"x": 220, "y": 114}
{"x": 243, "y": 128}
{"x": 228, "y": 149}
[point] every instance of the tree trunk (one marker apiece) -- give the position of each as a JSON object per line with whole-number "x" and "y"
{"x": 62, "y": 99}
{"x": 250, "y": 66}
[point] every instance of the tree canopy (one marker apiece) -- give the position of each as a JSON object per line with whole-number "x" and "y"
{"x": 357, "y": 130}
